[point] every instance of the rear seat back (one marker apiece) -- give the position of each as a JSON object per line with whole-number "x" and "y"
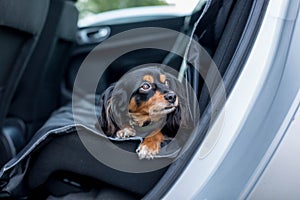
{"x": 21, "y": 23}
{"x": 38, "y": 95}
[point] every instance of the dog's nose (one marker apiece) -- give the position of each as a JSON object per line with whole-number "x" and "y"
{"x": 170, "y": 97}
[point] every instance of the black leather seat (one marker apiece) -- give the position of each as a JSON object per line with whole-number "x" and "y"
{"x": 21, "y": 23}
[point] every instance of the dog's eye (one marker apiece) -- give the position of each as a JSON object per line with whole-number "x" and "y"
{"x": 145, "y": 87}
{"x": 167, "y": 83}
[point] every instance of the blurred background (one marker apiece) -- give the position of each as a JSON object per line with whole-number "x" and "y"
{"x": 91, "y": 7}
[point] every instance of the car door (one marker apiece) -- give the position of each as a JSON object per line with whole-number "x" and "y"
{"x": 95, "y": 37}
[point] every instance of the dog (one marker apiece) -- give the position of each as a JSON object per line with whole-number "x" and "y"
{"x": 143, "y": 98}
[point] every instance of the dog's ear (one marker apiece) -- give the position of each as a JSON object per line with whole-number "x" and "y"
{"x": 113, "y": 109}
{"x": 119, "y": 105}
{"x": 181, "y": 117}
{"x": 105, "y": 119}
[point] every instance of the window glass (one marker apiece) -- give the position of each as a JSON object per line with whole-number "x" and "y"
{"x": 94, "y": 12}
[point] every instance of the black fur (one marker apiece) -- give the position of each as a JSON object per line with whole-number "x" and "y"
{"x": 113, "y": 105}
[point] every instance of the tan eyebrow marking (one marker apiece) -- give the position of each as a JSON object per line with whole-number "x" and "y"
{"x": 148, "y": 78}
{"x": 162, "y": 78}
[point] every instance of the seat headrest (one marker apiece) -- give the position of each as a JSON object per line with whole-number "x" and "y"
{"x": 28, "y": 16}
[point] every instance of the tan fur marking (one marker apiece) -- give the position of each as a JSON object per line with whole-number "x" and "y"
{"x": 132, "y": 105}
{"x": 162, "y": 78}
{"x": 156, "y": 100}
{"x": 148, "y": 78}
{"x": 153, "y": 142}
{"x": 142, "y": 113}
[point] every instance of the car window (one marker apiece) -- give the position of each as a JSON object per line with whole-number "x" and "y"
{"x": 99, "y": 12}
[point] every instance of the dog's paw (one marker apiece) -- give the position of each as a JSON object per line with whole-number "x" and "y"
{"x": 147, "y": 151}
{"x": 126, "y": 132}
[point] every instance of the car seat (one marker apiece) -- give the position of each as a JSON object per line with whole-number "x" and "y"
{"x": 38, "y": 93}
{"x": 21, "y": 23}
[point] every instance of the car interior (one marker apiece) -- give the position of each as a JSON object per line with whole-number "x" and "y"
{"x": 43, "y": 49}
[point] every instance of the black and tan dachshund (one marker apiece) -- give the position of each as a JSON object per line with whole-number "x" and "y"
{"x": 143, "y": 98}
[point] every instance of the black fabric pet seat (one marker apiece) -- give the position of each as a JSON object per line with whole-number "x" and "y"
{"x": 69, "y": 141}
